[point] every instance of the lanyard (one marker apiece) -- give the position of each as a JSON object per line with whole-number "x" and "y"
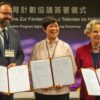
{"x": 7, "y": 40}
{"x": 51, "y": 59}
{"x": 49, "y": 51}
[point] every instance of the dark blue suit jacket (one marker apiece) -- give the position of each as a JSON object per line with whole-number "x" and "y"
{"x": 15, "y": 44}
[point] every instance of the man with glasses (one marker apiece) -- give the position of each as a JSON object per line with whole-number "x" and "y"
{"x": 11, "y": 53}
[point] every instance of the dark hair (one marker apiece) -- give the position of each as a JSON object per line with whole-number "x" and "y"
{"x": 5, "y": 3}
{"x": 48, "y": 20}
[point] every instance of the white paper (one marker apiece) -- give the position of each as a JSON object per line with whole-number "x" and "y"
{"x": 91, "y": 81}
{"x": 3, "y": 79}
{"x": 63, "y": 71}
{"x": 19, "y": 79}
{"x": 41, "y": 74}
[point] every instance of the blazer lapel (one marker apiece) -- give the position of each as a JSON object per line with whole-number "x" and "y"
{"x": 1, "y": 47}
{"x": 11, "y": 39}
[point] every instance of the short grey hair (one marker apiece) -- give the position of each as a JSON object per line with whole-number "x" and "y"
{"x": 89, "y": 26}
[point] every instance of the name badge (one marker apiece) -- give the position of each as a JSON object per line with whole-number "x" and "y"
{"x": 9, "y": 53}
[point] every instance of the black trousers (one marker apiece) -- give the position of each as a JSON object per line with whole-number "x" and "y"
{"x": 39, "y": 96}
{"x": 97, "y": 98}
{"x": 6, "y": 97}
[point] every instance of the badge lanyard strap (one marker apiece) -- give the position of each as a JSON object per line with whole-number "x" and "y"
{"x": 53, "y": 51}
{"x": 7, "y": 39}
{"x": 51, "y": 60}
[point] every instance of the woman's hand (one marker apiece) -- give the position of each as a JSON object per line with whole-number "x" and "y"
{"x": 12, "y": 65}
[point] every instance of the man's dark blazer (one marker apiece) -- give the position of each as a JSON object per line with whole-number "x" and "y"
{"x": 15, "y": 44}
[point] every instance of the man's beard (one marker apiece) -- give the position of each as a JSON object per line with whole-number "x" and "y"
{"x": 5, "y": 22}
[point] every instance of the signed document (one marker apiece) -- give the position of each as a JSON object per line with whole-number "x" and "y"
{"x": 92, "y": 80}
{"x": 63, "y": 71}
{"x": 41, "y": 74}
{"x": 46, "y": 74}
{"x": 14, "y": 79}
